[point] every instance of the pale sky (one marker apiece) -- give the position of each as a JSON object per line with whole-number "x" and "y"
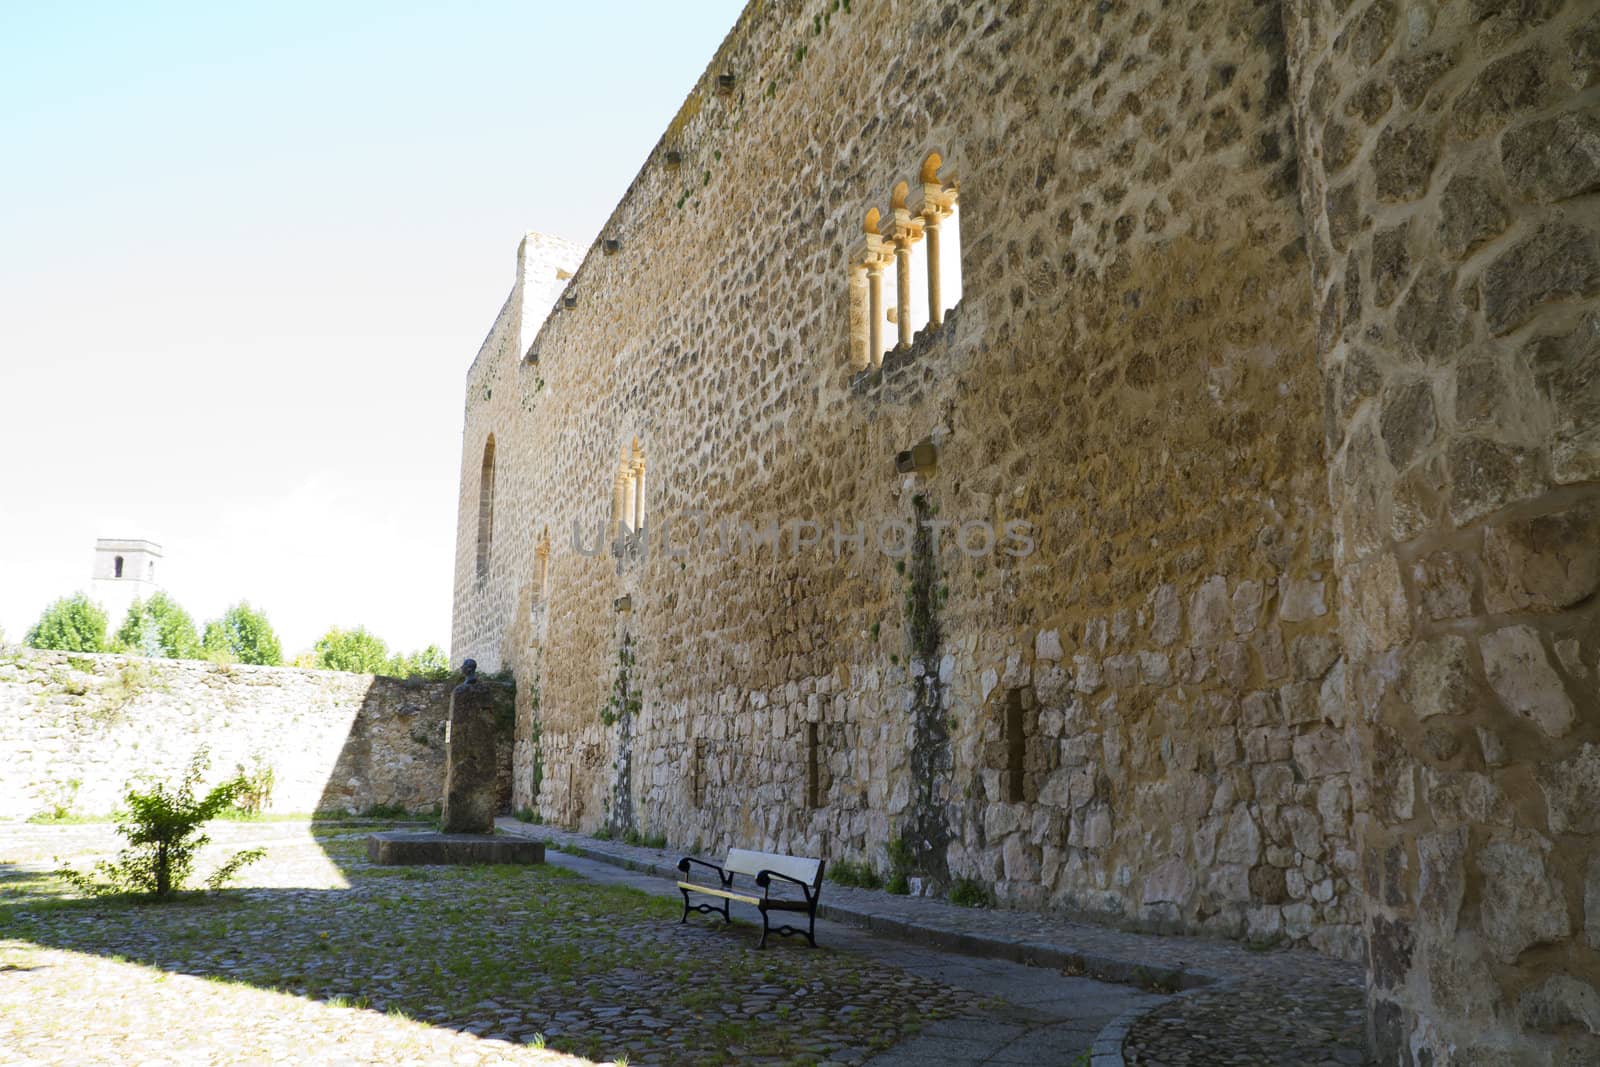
{"x": 247, "y": 253}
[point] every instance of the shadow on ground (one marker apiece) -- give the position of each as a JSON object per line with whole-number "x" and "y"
{"x": 515, "y": 957}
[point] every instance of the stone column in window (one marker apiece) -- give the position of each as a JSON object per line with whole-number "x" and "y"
{"x": 870, "y": 257}
{"x": 875, "y": 310}
{"x": 932, "y": 206}
{"x": 638, "y": 488}
{"x": 904, "y": 231}
{"x": 619, "y": 496}
{"x": 860, "y": 329}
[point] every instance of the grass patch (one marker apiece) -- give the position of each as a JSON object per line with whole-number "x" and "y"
{"x": 971, "y": 893}
{"x": 859, "y": 875}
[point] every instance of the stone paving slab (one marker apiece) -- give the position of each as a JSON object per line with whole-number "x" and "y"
{"x": 1243, "y": 1005}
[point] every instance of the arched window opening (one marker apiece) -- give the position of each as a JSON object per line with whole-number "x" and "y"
{"x": 486, "y": 508}
{"x": 118, "y": 567}
{"x": 918, "y": 245}
{"x": 934, "y": 204}
{"x": 919, "y": 287}
{"x": 628, "y": 499}
{"x": 867, "y": 263}
{"x": 904, "y": 231}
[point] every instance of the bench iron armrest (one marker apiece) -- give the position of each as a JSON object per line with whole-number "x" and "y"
{"x": 764, "y": 880}
{"x": 723, "y": 876}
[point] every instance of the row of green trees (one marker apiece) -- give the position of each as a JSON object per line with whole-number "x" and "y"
{"x": 160, "y": 628}
{"x": 365, "y": 653}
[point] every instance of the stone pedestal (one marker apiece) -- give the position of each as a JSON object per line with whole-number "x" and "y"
{"x": 409, "y": 848}
{"x": 471, "y": 779}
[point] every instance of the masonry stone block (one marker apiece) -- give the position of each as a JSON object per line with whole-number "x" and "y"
{"x": 1566, "y": 367}
{"x": 1522, "y": 905}
{"x": 1403, "y": 160}
{"x": 1562, "y": 1002}
{"x": 1471, "y": 212}
{"x": 1558, "y": 260}
{"x": 1487, "y": 475}
{"x": 1444, "y": 585}
{"x": 1554, "y": 158}
{"x": 1520, "y": 673}
{"x": 1543, "y": 564}
{"x": 1438, "y": 677}
{"x": 1571, "y": 790}
{"x": 1502, "y": 90}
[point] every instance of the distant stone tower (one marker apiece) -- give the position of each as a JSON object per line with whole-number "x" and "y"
{"x": 124, "y": 570}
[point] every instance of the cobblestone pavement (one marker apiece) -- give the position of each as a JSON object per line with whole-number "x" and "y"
{"x": 1035, "y": 1016}
{"x": 1242, "y": 1005}
{"x": 1300, "y": 1024}
{"x": 323, "y": 959}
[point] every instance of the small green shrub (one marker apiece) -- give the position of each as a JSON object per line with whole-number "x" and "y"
{"x": 385, "y": 811}
{"x": 971, "y": 893}
{"x": 634, "y": 837}
{"x": 1158, "y": 981}
{"x": 529, "y": 815}
{"x": 163, "y": 826}
{"x": 602, "y": 834}
{"x": 257, "y": 792}
{"x": 860, "y": 875}
{"x": 60, "y": 809}
{"x": 900, "y": 866}
{"x": 131, "y": 680}
{"x": 900, "y": 859}
{"x": 642, "y": 840}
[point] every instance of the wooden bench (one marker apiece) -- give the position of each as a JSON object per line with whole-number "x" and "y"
{"x": 790, "y": 873}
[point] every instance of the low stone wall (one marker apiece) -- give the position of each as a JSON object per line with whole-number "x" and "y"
{"x": 74, "y": 729}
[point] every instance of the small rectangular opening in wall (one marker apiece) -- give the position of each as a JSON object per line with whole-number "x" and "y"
{"x": 813, "y": 771}
{"x": 697, "y": 774}
{"x": 1016, "y": 747}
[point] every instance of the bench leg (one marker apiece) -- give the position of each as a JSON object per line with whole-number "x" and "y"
{"x": 764, "y": 928}
{"x": 708, "y": 909}
{"x": 811, "y": 934}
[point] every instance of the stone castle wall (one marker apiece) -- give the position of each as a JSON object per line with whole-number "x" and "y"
{"x": 75, "y": 729}
{"x": 1135, "y": 293}
{"x": 1453, "y": 157}
{"x": 1276, "y": 325}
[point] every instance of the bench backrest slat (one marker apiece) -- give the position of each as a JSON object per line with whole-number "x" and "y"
{"x": 743, "y": 861}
